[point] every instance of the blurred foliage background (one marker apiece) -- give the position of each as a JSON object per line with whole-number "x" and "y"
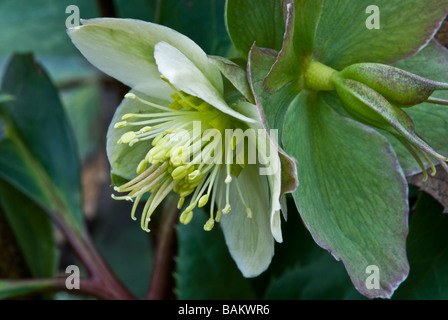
{"x": 203, "y": 268}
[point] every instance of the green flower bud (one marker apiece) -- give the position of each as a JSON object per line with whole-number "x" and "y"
{"x": 369, "y": 107}
{"x": 400, "y": 87}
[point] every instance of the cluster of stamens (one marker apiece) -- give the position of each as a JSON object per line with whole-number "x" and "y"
{"x": 179, "y": 159}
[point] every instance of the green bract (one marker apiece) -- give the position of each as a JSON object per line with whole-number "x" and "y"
{"x": 331, "y": 90}
{"x": 168, "y": 135}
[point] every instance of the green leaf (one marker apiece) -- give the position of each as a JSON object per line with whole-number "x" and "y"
{"x": 83, "y": 107}
{"x": 323, "y": 278}
{"x": 301, "y": 24}
{"x": 352, "y": 194}
{"x": 5, "y": 97}
{"x": 39, "y": 26}
{"x": 11, "y": 289}
{"x": 431, "y": 121}
{"x": 38, "y": 152}
{"x": 339, "y": 44}
{"x": 191, "y": 18}
{"x": 309, "y": 273}
{"x": 205, "y": 270}
{"x": 259, "y": 21}
{"x": 427, "y": 248}
{"x": 235, "y": 74}
{"x": 121, "y": 239}
{"x": 271, "y": 106}
{"x": 32, "y": 229}
{"x": 12, "y": 261}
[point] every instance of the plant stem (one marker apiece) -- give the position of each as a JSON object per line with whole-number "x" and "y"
{"x": 102, "y": 282}
{"x": 162, "y": 275}
{"x": 32, "y": 286}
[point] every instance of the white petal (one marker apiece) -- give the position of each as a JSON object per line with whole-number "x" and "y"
{"x": 124, "y": 49}
{"x": 276, "y": 228}
{"x": 249, "y": 240}
{"x": 185, "y": 76}
{"x": 268, "y": 151}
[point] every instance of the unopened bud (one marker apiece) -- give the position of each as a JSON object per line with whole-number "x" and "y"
{"x": 397, "y": 86}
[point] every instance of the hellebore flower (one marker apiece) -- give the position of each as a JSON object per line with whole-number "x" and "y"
{"x": 355, "y": 124}
{"x": 169, "y": 134}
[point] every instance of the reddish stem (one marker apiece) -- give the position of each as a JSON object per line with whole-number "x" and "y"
{"x": 162, "y": 275}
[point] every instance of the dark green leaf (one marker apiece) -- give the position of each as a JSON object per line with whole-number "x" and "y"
{"x": 38, "y": 154}
{"x": 39, "y": 26}
{"x": 5, "y": 97}
{"x": 310, "y": 272}
{"x": 11, "y": 289}
{"x": 427, "y": 248}
{"x": 12, "y": 261}
{"x": 32, "y": 229}
{"x": 191, "y": 18}
{"x": 121, "y": 239}
{"x": 323, "y": 278}
{"x": 250, "y": 21}
{"x": 352, "y": 194}
{"x": 205, "y": 270}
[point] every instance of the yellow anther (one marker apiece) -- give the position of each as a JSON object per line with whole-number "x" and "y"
{"x": 163, "y": 141}
{"x": 180, "y": 204}
{"x": 157, "y": 139}
{"x": 218, "y": 216}
{"x": 178, "y": 155}
{"x": 186, "y": 192}
{"x": 130, "y": 96}
{"x": 186, "y": 217}
{"x": 127, "y": 137}
{"x": 209, "y": 224}
{"x": 179, "y": 173}
{"x": 226, "y": 209}
{"x": 145, "y": 129}
{"x": 159, "y": 155}
{"x": 120, "y": 124}
{"x": 142, "y": 166}
{"x": 128, "y": 116}
{"x": 203, "y": 200}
